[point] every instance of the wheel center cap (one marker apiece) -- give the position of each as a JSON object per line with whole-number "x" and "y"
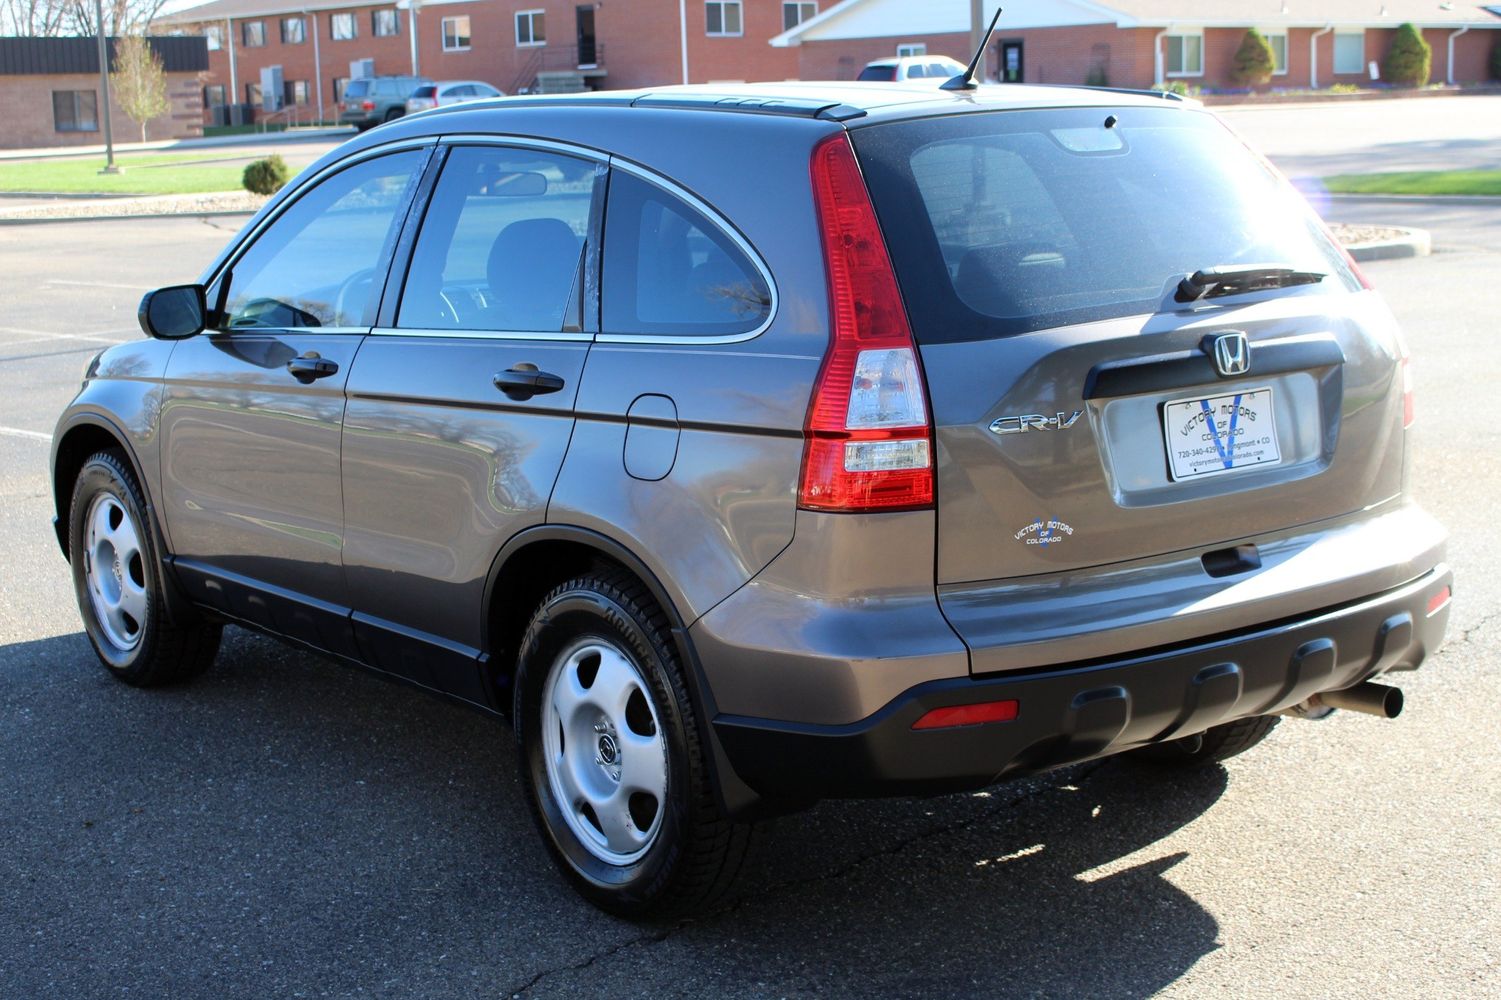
{"x": 119, "y": 575}
{"x": 608, "y": 751}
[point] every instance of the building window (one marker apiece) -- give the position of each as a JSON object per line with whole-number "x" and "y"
{"x": 294, "y": 91}
{"x": 1278, "y": 41}
{"x": 342, "y": 27}
{"x": 253, "y": 34}
{"x": 253, "y": 94}
{"x": 340, "y": 82}
{"x": 384, "y": 23}
{"x": 75, "y": 111}
{"x": 911, "y": 49}
{"x": 293, "y": 31}
{"x": 531, "y": 27}
{"x": 1349, "y": 52}
{"x": 213, "y": 95}
{"x": 214, "y": 35}
{"x": 1185, "y": 55}
{"x": 456, "y": 34}
{"x": 722, "y": 17}
{"x": 794, "y": 14}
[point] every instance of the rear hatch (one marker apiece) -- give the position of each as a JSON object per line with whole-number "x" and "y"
{"x": 355, "y": 94}
{"x": 1080, "y": 415}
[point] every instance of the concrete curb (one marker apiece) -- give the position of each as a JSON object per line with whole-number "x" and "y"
{"x": 1416, "y": 243}
{"x": 1475, "y": 200}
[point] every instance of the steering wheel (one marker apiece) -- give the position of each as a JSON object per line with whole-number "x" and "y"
{"x": 346, "y": 290}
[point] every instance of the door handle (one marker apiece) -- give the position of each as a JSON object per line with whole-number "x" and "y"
{"x": 310, "y": 366}
{"x": 525, "y": 381}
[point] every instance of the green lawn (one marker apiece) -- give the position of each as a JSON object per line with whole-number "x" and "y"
{"x": 1487, "y": 182}
{"x": 179, "y": 173}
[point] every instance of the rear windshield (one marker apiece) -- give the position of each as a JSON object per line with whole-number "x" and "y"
{"x": 1012, "y": 221}
{"x": 424, "y": 91}
{"x": 879, "y": 73}
{"x": 357, "y": 88}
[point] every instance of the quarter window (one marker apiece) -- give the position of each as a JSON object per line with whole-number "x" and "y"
{"x": 531, "y": 27}
{"x": 502, "y": 244}
{"x": 342, "y": 27}
{"x": 1349, "y": 52}
{"x": 455, "y": 34}
{"x": 293, "y": 31}
{"x": 319, "y": 264}
{"x": 1185, "y": 55}
{"x": 670, "y": 272}
{"x": 253, "y": 34}
{"x": 794, "y": 14}
{"x": 75, "y": 111}
{"x": 384, "y": 23}
{"x": 722, "y": 17}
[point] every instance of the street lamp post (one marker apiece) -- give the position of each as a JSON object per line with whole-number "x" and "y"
{"x": 103, "y": 109}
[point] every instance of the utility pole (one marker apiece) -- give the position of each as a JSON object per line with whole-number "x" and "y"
{"x": 104, "y": 107}
{"x": 977, "y": 29}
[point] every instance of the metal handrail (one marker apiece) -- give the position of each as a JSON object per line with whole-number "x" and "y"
{"x": 552, "y": 57}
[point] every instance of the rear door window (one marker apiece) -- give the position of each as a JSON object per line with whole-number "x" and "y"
{"x": 1004, "y": 222}
{"x": 502, "y": 243}
{"x": 671, "y": 272}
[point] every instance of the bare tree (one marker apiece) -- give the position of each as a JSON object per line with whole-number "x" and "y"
{"x": 57, "y": 18}
{"x": 139, "y": 82}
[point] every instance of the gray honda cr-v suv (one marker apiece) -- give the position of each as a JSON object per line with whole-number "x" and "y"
{"x": 750, "y": 448}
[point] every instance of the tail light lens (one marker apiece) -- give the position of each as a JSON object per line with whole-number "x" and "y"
{"x": 368, "y": 105}
{"x": 968, "y": 715}
{"x": 1409, "y": 405}
{"x": 869, "y": 438}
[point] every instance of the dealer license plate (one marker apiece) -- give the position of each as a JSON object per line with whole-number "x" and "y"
{"x": 1210, "y": 435}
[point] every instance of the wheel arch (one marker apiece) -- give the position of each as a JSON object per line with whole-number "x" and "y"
{"x": 84, "y": 435}
{"x": 538, "y": 559}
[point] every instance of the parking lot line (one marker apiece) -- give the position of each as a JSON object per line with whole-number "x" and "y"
{"x": 49, "y": 335}
{"x": 31, "y": 435}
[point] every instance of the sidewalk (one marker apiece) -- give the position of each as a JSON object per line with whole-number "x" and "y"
{"x": 185, "y": 145}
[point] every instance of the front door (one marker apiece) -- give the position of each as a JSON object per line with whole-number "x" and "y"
{"x": 461, "y": 404}
{"x": 1012, "y": 66}
{"x": 587, "y": 55}
{"x": 252, "y": 418}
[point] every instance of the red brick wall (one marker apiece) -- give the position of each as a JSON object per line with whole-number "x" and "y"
{"x": 26, "y": 110}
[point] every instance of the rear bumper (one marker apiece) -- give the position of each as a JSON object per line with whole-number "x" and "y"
{"x": 1072, "y": 713}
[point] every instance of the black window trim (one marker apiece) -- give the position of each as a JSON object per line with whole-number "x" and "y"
{"x": 385, "y": 324}
{"x": 223, "y": 268}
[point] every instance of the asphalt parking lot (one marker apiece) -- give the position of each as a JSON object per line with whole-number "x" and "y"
{"x": 287, "y": 827}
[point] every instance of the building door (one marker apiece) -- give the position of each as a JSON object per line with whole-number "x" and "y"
{"x": 1011, "y": 61}
{"x": 587, "y": 54}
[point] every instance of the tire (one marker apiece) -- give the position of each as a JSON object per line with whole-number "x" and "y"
{"x": 1215, "y": 744}
{"x": 117, "y": 580}
{"x": 392, "y": 114}
{"x": 608, "y": 741}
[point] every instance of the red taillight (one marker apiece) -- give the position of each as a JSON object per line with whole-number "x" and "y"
{"x": 1437, "y": 602}
{"x": 368, "y": 105}
{"x": 968, "y": 715}
{"x": 869, "y": 438}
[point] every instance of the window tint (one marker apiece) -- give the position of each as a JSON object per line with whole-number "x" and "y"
{"x": 1015, "y": 221}
{"x": 669, "y": 271}
{"x": 878, "y": 73}
{"x": 317, "y": 264}
{"x": 357, "y": 88}
{"x": 501, "y": 246}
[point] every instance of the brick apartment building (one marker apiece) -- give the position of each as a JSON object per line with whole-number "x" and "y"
{"x": 49, "y": 92}
{"x": 533, "y": 45}
{"x": 1139, "y": 43}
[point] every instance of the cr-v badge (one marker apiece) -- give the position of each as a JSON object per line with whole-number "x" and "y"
{"x": 1034, "y": 422}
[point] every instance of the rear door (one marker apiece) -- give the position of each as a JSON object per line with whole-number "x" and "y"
{"x": 253, "y": 411}
{"x": 1081, "y": 419}
{"x": 461, "y": 403}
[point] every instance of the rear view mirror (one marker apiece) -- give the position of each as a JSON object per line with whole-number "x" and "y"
{"x": 173, "y": 313}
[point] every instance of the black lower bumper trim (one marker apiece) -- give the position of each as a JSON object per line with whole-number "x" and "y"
{"x": 1071, "y": 714}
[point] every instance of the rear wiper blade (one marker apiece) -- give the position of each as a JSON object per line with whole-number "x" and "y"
{"x": 1232, "y": 279}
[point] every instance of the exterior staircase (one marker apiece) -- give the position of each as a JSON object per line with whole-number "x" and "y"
{"x": 556, "y": 69}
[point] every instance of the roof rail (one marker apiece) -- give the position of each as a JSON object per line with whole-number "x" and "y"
{"x": 1166, "y": 95}
{"x": 790, "y": 106}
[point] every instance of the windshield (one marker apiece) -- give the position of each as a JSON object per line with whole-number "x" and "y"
{"x": 1011, "y": 221}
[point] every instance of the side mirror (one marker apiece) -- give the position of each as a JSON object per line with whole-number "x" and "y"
{"x": 173, "y": 313}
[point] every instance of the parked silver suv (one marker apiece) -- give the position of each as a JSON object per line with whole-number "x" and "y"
{"x": 748, "y": 448}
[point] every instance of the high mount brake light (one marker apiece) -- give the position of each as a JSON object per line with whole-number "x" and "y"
{"x": 869, "y": 438}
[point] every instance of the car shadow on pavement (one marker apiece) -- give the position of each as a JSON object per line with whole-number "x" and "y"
{"x": 286, "y": 825}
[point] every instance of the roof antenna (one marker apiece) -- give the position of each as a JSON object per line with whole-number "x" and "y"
{"x": 966, "y": 80}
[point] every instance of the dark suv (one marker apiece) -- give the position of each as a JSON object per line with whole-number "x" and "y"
{"x": 371, "y": 100}
{"x": 747, "y": 449}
